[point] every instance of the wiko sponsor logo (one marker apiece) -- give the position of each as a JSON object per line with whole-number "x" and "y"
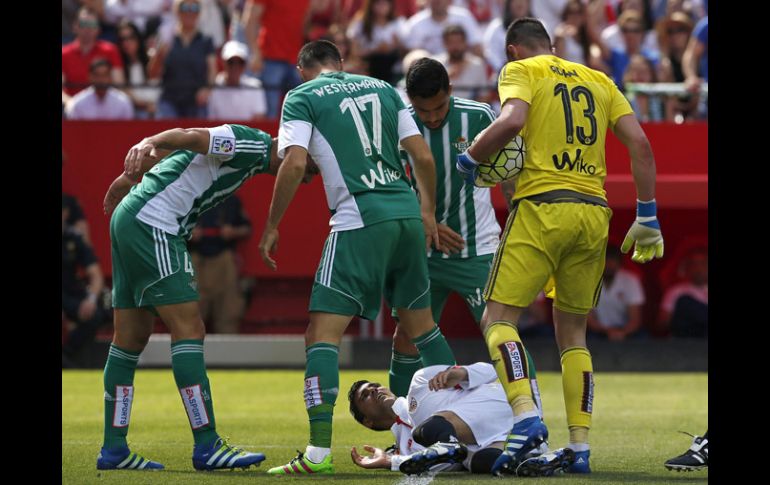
{"x": 577, "y": 165}
{"x": 313, "y": 392}
{"x": 193, "y": 403}
{"x": 382, "y": 176}
{"x": 475, "y": 300}
{"x": 124, "y": 396}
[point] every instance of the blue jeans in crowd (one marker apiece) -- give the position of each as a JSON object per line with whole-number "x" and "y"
{"x": 277, "y": 78}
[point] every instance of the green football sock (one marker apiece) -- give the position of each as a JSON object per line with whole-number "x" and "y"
{"x": 434, "y": 349}
{"x": 322, "y": 381}
{"x": 118, "y": 395}
{"x": 193, "y": 383}
{"x": 402, "y": 369}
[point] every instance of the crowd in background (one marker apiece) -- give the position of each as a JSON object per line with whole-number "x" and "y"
{"x": 235, "y": 59}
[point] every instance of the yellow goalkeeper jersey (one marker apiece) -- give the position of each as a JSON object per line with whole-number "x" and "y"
{"x": 570, "y": 108}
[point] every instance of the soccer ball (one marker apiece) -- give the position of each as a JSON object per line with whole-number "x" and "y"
{"x": 505, "y": 164}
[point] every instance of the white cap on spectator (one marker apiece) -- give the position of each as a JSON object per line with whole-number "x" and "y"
{"x": 233, "y": 48}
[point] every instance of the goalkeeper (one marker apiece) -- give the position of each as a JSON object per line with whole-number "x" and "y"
{"x": 558, "y": 227}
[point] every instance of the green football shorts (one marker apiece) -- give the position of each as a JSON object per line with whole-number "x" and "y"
{"x": 360, "y": 266}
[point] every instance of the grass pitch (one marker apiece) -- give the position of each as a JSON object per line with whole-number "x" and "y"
{"x": 636, "y": 418}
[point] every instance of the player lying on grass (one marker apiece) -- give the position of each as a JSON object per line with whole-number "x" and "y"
{"x": 450, "y": 416}
{"x": 153, "y": 274}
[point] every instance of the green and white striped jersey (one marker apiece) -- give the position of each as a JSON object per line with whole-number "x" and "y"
{"x": 467, "y": 210}
{"x": 184, "y": 184}
{"x": 351, "y": 126}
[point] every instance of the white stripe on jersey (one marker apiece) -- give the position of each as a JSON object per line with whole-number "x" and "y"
{"x": 165, "y": 252}
{"x": 447, "y": 177}
{"x": 463, "y": 215}
{"x": 426, "y": 135}
{"x": 330, "y": 261}
{"x": 462, "y": 103}
{"x": 158, "y": 261}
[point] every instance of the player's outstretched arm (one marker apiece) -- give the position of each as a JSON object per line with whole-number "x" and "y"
{"x": 145, "y": 154}
{"x": 510, "y": 122}
{"x": 379, "y": 458}
{"x": 289, "y": 176}
{"x": 512, "y": 117}
{"x": 425, "y": 175}
{"x": 645, "y": 232}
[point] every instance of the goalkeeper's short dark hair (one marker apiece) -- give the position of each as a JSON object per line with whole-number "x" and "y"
{"x": 528, "y": 31}
{"x": 425, "y": 78}
{"x": 318, "y": 52}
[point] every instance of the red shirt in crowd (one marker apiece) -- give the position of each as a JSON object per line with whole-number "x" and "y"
{"x": 75, "y": 64}
{"x": 280, "y": 37}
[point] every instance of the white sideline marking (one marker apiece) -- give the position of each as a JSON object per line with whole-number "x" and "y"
{"x": 417, "y": 480}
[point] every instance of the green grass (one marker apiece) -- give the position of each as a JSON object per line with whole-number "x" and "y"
{"x": 636, "y": 418}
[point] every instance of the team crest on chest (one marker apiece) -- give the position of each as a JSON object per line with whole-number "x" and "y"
{"x": 412, "y": 404}
{"x": 461, "y": 144}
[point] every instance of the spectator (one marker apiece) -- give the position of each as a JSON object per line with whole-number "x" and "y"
{"x": 134, "y": 55}
{"x": 410, "y": 58}
{"x": 211, "y": 23}
{"x": 494, "y": 35}
{"x": 74, "y": 219}
{"x": 619, "y": 312}
{"x": 337, "y": 36}
{"x": 321, "y": 15}
{"x": 632, "y": 30}
{"x": 467, "y": 72}
{"x": 69, "y": 14}
{"x": 77, "y": 56}
{"x": 187, "y": 66}
{"x": 484, "y": 11}
{"x": 647, "y": 107}
{"x": 549, "y": 12}
{"x": 425, "y": 29}
{"x": 373, "y": 34}
{"x": 82, "y": 301}
{"x": 278, "y": 23}
{"x": 403, "y": 8}
{"x": 695, "y": 61}
{"x": 674, "y": 34}
{"x": 612, "y": 35}
{"x": 236, "y": 97}
{"x": 101, "y": 101}
{"x": 144, "y": 14}
{"x": 684, "y": 309}
{"x": 212, "y": 247}
{"x": 571, "y": 38}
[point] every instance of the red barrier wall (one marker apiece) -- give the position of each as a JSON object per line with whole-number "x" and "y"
{"x": 95, "y": 153}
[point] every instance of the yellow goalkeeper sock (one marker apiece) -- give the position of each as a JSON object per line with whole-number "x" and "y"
{"x": 577, "y": 379}
{"x": 510, "y": 362}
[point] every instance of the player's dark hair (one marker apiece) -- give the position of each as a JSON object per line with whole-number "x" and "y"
{"x": 529, "y": 32}
{"x": 425, "y": 78}
{"x": 357, "y": 414}
{"x": 318, "y": 52}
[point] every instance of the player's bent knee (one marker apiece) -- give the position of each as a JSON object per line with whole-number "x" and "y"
{"x": 482, "y": 460}
{"x": 402, "y": 343}
{"x": 433, "y": 430}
